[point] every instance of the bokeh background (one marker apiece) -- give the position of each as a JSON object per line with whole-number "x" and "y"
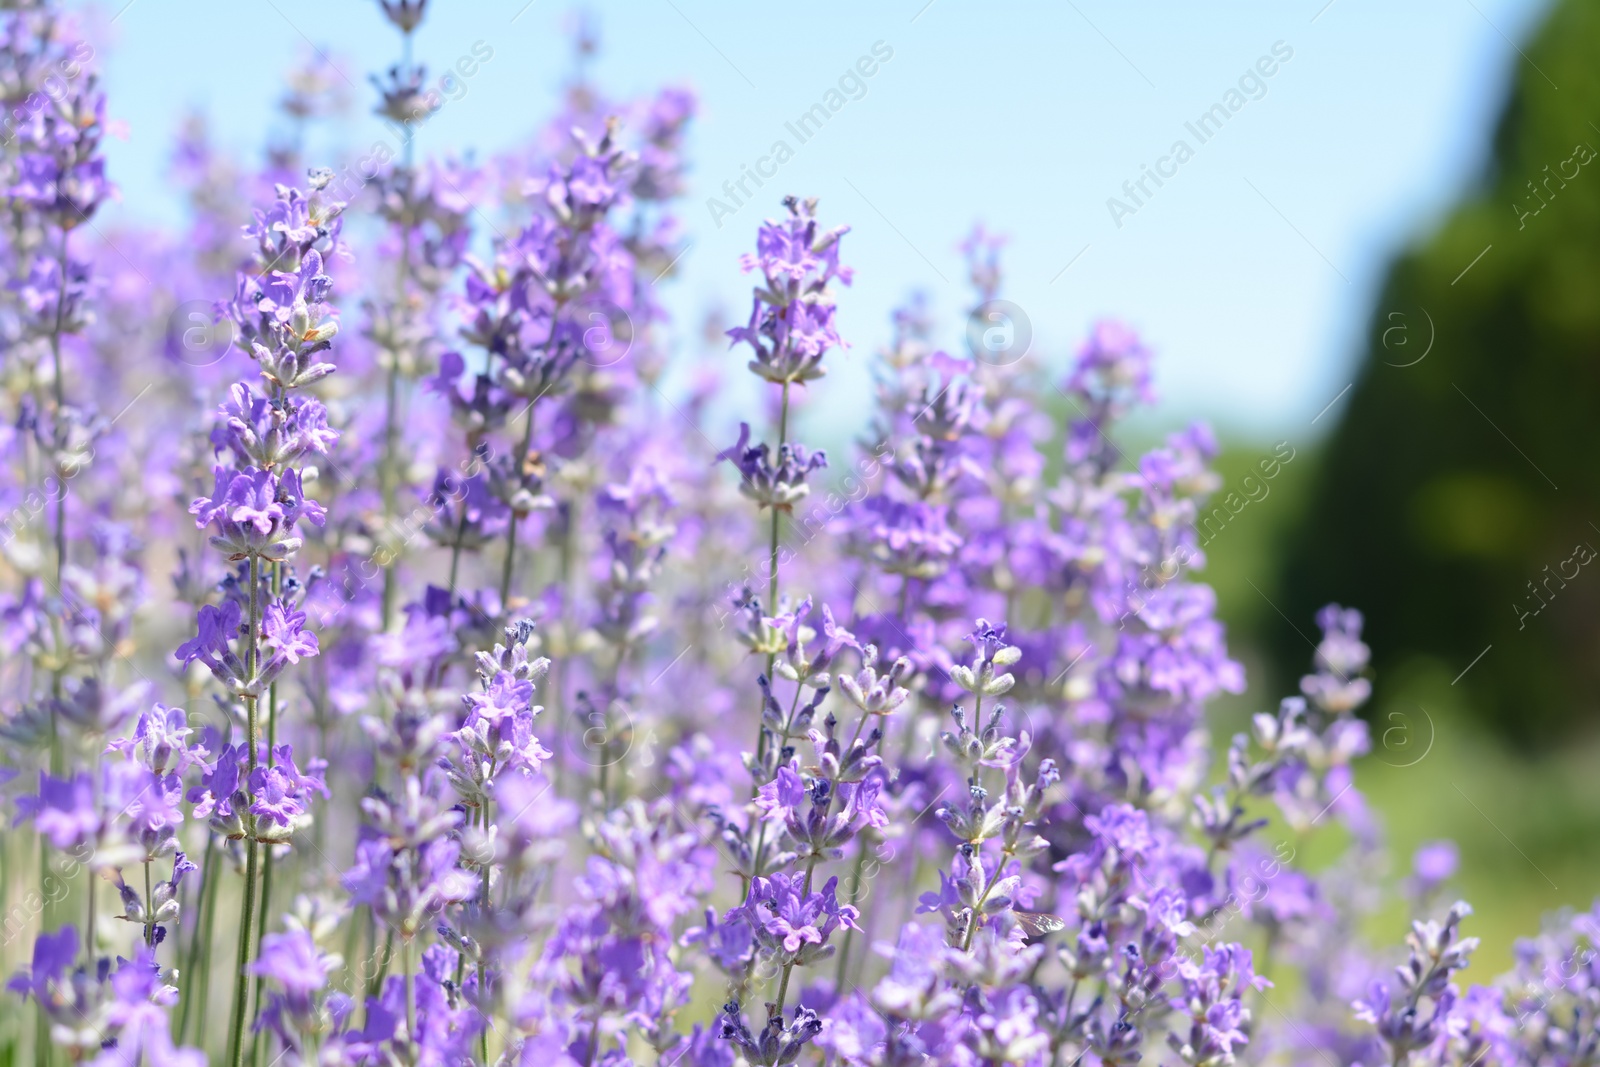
{"x": 1386, "y": 261}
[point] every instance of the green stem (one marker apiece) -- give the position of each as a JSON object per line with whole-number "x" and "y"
{"x": 483, "y": 991}
{"x": 207, "y": 939}
{"x": 352, "y": 943}
{"x": 252, "y": 733}
{"x": 783, "y": 987}
{"x": 511, "y": 527}
{"x": 455, "y": 549}
{"x": 772, "y": 576}
{"x": 89, "y": 930}
{"x": 386, "y": 471}
{"x": 91, "y": 943}
{"x": 261, "y": 924}
{"x": 756, "y": 865}
{"x": 266, "y": 858}
{"x": 376, "y": 983}
{"x": 483, "y": 1001}
{"x": 556, "y": 686}
{"x": 411, "y": 999}
{"x": 783, "y": 439}
{"x": 510, "y": 561}
{"x": 241, "y": 980}
{"x": 388, "y": 476}
{"x": 755, "y": 856}
{"x": 191, "y": 971}
{"x": 61, "y": 403}
{"x": 320, "y": 709}
{"x": 149, "y": 909}
{"x": 811, "y": 864}
{"x": 855, "y": 891}
{"x": 43, "y": 1050}
{"x": 972, "y": 923}
{"x": 783, "y": 983}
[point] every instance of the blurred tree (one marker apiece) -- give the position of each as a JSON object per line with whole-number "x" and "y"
{"x": 1458, "y": 500}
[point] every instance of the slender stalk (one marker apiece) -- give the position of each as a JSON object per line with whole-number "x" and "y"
{"x": 387, "y": 474}
{"x": 91, "y": 943}
{"x": 755, "y": 854}
{"x": 855, "y": 871}
{"x": 191, "y": 969}
{"x": 376, "y": 983}
{"x": 994, "y": 879}
{"x": 61, "y": 401}
{"x": 352, "y": 941}
{"x": 783, "y": 987}
{"x": 253, "y": 731}
{"x": 241, "y": 982}
{"x": 855, "y": 891}
{"x": 59, "y": 386}
{"x": 511, "y": 527}
{"x": 483, "y": 1035}
{"x": 554, "y": 714}
{"x": 266, "y": 858}
{"x": 761, "y": 830}
{"x": 262, "y": 911}
{"x": 772, "y": 577}
{"x": 6, "y": 846}
{"x": 411, "y": 995}
{"x": 811, "y": 865}
{"x": 320, "y": 708}
{"x": 556, "y": 686}
{"x": 149, "y": 908}
{"x": 1057, "y": 1036}
{"x": 241, "y": 979}
{"x": 89, "y": 938}
{"x": 409, "y": 148}
{"x": 772, "y": 568}
{"x": 1268, "y": 952}
{"x": 455, "y": 549}
{"x": 788, "y": 968}
{"x": 44, "y": 1052}
{"x": 207, "y": 939}
{"x": 42, "y": 1049}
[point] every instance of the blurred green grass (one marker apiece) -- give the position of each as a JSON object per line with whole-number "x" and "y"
{"x": 1526, "y": 825}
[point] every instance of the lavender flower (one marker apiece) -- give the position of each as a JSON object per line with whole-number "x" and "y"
{"x": 1338, "y": 687}
{"x": 791, "y": 317}
{"x": 1418, "y": 1016}
{"x": 793, "y": 923}
{"x": 779, "y": 485}
{"x": 438, "y": 802}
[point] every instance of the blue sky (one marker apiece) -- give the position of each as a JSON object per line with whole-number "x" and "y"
{"x": 1251, "y": 270}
